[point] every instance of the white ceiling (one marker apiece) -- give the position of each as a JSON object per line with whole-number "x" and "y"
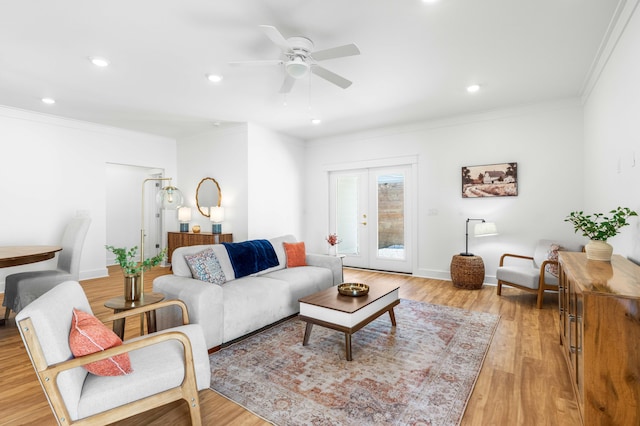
{"x": 416, "y": 59}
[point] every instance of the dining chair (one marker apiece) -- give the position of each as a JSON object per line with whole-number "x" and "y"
{"x": 23, "y": 288}
{"x": 162, "y": 367}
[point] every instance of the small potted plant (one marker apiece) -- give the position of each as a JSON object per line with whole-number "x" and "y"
{"x": 599, "y": 228}
{"x": 132, "y": 268}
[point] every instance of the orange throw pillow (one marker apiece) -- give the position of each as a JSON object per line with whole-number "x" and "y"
{"x": 296, "y": 254}
{"x": 89, "y": 335}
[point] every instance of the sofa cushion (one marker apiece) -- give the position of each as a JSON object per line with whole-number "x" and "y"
{"x": 303, "y": 281}
{"x": 296, "y": 254}
{"x": 278, "y": 247}
{"x": 180, "y": 267}
{"x": 206, "y": 267}
{"x": 251, "y": 303}
{"x": 89, "y": 335}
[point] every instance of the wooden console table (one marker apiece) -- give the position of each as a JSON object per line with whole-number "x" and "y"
{"x": 599, "y": 304}
{"x": 181, "y": 239}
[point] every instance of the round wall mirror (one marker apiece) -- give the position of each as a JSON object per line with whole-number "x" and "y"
{"x": 208, "y": 194}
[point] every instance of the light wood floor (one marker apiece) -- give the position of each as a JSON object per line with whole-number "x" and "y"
{"x": 524, "y": 380}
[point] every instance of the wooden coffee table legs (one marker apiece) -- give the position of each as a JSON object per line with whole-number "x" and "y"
{"x": 348, "y": 331}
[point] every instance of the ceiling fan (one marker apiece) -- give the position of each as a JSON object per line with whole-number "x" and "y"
{"x": 300, "y": 59}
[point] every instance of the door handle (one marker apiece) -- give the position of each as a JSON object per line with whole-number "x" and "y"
{"x": 364, "y": 223}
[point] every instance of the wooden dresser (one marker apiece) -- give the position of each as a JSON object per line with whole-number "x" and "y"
{"x": 599, "y": 305}
{"x": 180, "y": 239}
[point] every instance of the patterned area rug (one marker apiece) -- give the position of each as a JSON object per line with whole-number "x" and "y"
{"x": 421, "y": 372}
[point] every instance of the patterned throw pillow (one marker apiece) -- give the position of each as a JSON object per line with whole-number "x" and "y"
{"x": 296, "y": 254}
{"x": 89, "y": 335}
{"x": 552, "y": 254}
{"x": 206, "y": 267}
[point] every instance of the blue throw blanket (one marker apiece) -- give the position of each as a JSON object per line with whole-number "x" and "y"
{"x": 252, "y": 256}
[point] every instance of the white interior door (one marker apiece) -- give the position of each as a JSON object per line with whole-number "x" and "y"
{"x": 371, "y": 213}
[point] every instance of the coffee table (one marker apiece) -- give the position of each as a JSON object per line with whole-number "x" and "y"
{"x": 347, "y": 314}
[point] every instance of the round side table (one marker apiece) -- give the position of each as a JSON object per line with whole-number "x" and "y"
{"x": 467, "y": 272}
{"x": 118, "y": 304}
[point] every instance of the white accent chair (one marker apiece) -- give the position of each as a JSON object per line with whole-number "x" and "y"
{"x": 532, "y": 276}
{"x": 167, "y": 366}
{"x": 25, "y": 287}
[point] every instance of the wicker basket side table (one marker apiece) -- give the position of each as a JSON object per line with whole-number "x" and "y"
{"x": 467, "y": 272}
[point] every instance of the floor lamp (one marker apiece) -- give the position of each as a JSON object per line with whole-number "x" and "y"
{"x": 467, "y": 269}
{"x": 168, "y": 198}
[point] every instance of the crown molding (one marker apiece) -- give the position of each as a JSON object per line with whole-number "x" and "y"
{"x": 622, "y": 16}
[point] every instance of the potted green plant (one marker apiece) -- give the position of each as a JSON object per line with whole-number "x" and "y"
{"x": 599, "y": 228}
{"x": 133, "y": 268}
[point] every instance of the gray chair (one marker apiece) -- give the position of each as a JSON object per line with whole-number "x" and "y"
{"x": 23, "y": 288}
{"x": 536, "y": 273}
{"x": 167, "y": 366}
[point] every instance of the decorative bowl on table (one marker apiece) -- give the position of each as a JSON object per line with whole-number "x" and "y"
{"x": 353, "y": 289}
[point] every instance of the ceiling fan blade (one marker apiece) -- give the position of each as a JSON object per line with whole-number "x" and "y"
{"x": 288, "y": 83}
{"x": 258, "y": 63}
{"x": 336, "y": 52}
{"x": 330, "y": 76}
{"x": 276, "y": 37}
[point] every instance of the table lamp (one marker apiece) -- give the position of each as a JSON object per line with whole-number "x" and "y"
{"x": 184, "y": 217}
{"x": 216, "y": 215}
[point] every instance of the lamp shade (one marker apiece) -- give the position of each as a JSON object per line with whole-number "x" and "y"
{"x": 169, "y": 198}
{"x": 216, "y": 214}
{"x": 184, "y": 214}
{"x": 485, "y": 229}
{"x": 297, "y": 68}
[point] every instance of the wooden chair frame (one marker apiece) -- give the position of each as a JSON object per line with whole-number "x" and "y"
{"x": 47, "y": 374}
{"x": 542, "y": 284}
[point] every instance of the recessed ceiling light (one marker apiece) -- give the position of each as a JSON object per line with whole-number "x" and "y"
{"x": 316, "y": 121}
{"x": 214, "y": 78}
{"x": 48, "y": 101}
{"x": 429, "y": 1}
{"x": 473, "y": 88}
{"x": 98, "y": 61}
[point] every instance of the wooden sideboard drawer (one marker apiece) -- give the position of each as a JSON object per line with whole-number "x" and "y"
{"x": 181, "y": 239}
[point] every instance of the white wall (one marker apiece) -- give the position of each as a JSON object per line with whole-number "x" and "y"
{"x": 54, "y": 167}
{"x": 276, "y": 182}
{"x": 260, "y": 173}
{"x": 222, "y": 155}
{"x": 612, "y": 139}
{"x": 546, "y": 142}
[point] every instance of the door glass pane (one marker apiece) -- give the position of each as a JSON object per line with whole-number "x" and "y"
{"x": 391, "y": 216}
{"x": 347, "y": 214}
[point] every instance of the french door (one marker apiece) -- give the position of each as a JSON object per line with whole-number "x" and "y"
{"x": 370, "y": 210}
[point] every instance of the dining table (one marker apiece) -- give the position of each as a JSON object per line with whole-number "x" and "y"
{"x": 23, "y": 255}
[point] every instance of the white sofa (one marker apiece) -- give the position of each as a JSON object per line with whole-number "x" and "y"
{"x": 242, "y": 305}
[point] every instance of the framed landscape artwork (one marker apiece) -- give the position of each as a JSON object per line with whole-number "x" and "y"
{"x": 490, "y": 180}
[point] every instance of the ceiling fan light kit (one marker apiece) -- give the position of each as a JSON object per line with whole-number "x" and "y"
{"x": 297, "y": 67}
